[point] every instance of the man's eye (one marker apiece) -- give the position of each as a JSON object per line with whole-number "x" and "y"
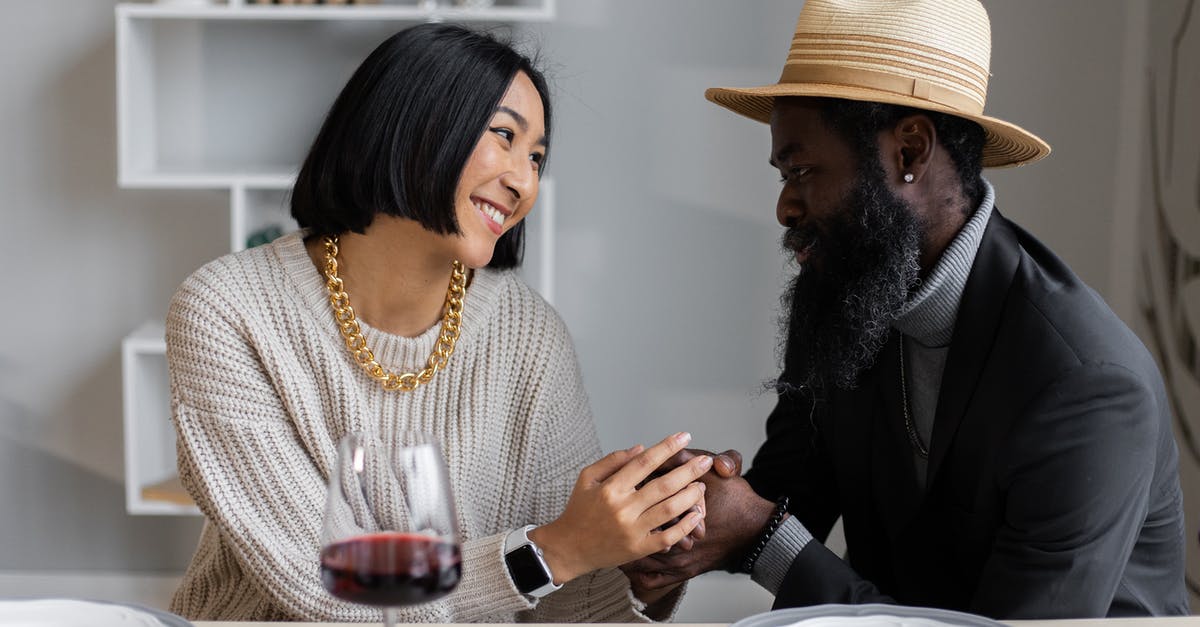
{"x": 505, "y": 133}
{"x": 792, "y": 174}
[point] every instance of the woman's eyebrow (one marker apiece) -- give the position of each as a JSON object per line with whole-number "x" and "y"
{"x": 521, "y": 121}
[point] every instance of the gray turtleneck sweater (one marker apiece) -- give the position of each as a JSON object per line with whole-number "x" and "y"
{"x": 926, "y": 324}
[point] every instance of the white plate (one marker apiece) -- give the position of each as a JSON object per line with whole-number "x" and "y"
{"x": 874, "y": 614}
{"x": 73, "y": 613}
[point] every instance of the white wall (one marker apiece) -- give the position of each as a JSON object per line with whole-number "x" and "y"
{"x": 87, "y": 263}
{"x": 1056, "y": 71}
{"x": 1163, "y": 132}
{"x": 669, "y": 271}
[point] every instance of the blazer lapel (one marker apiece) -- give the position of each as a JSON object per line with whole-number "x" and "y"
{"x": 880, "y": 413}
{"x": 974, "y": 332}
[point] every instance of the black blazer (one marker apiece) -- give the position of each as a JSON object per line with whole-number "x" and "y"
{"x": 1053, "y": 486}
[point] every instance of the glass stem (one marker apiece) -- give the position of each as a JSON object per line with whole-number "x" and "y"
{"x": 389, "y": 617}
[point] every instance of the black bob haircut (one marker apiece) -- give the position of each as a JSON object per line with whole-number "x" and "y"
{"x": 860, "y": 123}
{"x": 401, "y": 131}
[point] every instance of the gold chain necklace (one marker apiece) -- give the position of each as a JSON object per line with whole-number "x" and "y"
{"x": 908, "y": 421}
{"x": 344, "y": 314}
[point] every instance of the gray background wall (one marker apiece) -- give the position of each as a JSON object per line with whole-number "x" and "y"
{"x": 669, "y": 270}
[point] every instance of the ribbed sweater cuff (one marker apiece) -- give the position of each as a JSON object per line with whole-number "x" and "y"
{"x": 777, "y": 556}
{"x": 491, "y": 585}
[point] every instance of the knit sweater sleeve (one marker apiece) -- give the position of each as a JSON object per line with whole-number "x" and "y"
{"x": 568, "y": 442}
{"x": 244, "y": 464}
{"x": 256, "y": 477}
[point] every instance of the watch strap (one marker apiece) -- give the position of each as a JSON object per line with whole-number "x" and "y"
{"x": 539, "y": 583}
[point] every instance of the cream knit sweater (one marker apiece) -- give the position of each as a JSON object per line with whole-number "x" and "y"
{"x": 262, "y": 387}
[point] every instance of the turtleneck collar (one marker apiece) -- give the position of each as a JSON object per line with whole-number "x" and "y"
{"x": 928, "y": 316}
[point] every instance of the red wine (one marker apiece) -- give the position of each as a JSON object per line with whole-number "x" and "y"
{"x": 391, "y": 569}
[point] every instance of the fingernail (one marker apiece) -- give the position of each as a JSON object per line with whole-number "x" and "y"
{"x": 703, "y": 488}
{"x": 636, "y": 448}
{"x": 683, "y": 437}
{"x": 706, "y": 462}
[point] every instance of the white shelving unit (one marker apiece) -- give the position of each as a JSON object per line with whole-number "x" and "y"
{"x": 227, "y": 96}
{"x": 149, "y": 437}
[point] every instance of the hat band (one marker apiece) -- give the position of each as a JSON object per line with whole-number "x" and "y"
{"x": 918, "y": 88}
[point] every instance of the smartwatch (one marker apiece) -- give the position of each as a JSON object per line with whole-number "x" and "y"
{"x": 526, "y": 565}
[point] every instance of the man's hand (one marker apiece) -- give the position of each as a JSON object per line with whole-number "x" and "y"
{"x": 725, "y": 465}
{"x": 734, "y": 517}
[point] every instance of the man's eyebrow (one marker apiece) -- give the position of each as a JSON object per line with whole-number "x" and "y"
{"x": 521, "y": 122}
{"x": 783, "y": 153}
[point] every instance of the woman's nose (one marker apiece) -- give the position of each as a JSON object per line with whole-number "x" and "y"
{"x": 521, "y": 179}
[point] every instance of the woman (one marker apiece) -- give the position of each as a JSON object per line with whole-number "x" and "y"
{"x": 411, "y": 201}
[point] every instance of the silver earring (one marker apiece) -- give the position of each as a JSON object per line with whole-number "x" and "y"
{"x": 908, "y": 177}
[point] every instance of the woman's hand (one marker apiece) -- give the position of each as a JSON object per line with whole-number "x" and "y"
{"x": 610, "y": 520}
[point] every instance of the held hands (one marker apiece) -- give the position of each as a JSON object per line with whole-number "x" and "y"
{"x": 727, "y": 464}
{"x": 610, "y": 520}
{"x": 734, "y": 517}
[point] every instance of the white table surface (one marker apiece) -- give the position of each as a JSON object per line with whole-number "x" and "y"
{"x": 1174, "y": 621}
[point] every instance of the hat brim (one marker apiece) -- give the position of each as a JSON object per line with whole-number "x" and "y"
{"x": 1006, "y": 145}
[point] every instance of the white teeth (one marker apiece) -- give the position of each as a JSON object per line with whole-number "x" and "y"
{"x": 491, "y": 212}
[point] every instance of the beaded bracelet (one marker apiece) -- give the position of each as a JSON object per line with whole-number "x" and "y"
{"x": 781, "y": 505}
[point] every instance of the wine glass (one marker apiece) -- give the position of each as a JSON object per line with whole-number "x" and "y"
{"x": 390, "y": 534}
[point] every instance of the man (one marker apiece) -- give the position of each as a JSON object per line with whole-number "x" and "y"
{"x": 993, "y": 437}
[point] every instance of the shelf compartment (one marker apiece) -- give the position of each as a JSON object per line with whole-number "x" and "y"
{"x": 201, "y": 103}
{"x": 259, "y": 214}
{"x": 149, "y": 434}
{"x": 169, "y": 491}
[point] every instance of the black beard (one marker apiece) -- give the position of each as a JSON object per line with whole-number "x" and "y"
{"x": 859, "y": 272}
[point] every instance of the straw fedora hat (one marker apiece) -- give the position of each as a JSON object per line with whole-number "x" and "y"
{"x": 926, "y": 54}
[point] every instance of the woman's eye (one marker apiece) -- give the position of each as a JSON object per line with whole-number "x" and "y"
{"x": 537, "y": 159}
{"x": 505, "y": 133}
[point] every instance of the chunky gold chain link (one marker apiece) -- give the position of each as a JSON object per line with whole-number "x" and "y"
{"x": 344, "y": 314}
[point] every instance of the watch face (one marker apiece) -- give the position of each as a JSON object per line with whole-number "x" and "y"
{"x": 527, "y": 569}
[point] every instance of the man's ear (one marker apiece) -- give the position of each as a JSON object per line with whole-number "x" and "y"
{"x": 915, "y": 138}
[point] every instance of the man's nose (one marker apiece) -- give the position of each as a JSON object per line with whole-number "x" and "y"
{"x": 787, "y": 211}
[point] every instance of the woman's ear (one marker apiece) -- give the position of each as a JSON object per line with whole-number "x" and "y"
{"x": 915, "y": 138}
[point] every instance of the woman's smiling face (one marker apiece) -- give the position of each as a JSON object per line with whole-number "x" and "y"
{"x": 499, "y": 184}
